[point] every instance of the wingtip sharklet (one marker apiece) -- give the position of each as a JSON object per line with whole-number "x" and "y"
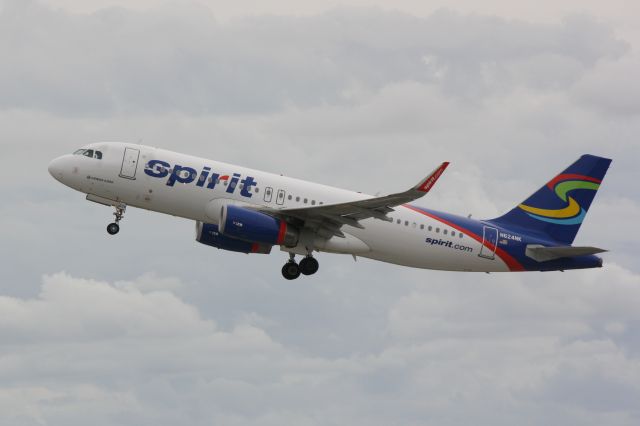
{"x": 426, "y": 184}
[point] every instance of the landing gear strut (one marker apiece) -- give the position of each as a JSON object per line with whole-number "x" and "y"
{"x": 114, "y": 228}
{"x": 308, "y": 266}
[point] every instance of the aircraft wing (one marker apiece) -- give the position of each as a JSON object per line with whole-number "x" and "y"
{"x": 328, "y": 219}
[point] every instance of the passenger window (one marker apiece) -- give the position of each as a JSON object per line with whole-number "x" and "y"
{"x": 257, "y": 189}
{"x": 398, "y": 221}
{"x": 438, "y": 230}
{"x": 298, "y": 199}
{"x": 406, "y": 223}
{"x": 445, "y": 232}
{"x": 313, "y": 202}
{"x": 460, "y": 235}
{"x": 422, "y": 226}
{"x": 305, "y": 201}
{"x": 430, "y": 228}
{"x": 290, "y": 197}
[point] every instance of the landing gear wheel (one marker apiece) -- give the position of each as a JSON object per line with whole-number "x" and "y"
{"x": 291, "y": 270}
{"x": 309, "y": 265}
{"x": 113, "y": 228}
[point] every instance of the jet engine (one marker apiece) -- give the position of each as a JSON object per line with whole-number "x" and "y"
{"x": 253, "y": 226}
{"x": 209, "y": 234}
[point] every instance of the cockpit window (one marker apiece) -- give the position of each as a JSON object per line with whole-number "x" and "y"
{"x": 89, "y": 153}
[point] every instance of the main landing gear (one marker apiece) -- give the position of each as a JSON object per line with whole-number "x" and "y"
{"x": 308, "y": 266}
{"x": 114, "y": 228}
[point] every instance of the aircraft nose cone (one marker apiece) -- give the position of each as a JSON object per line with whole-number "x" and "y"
{"x": 55, "y": 169}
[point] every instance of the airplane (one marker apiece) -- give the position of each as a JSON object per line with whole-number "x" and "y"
{"x": 250, "y": 211}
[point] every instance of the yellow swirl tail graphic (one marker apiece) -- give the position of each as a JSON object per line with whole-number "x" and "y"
{"x": 573, "y": 209}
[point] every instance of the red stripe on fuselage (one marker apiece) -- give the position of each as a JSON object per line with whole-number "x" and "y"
{"x": 552, "y": 183}
{"x": 282, "y": 232}
{"x": 512, "y": 263}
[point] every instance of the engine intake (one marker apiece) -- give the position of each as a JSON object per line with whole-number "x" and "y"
{"x": 250, "y": 225}
{"x": 210, "y": 235}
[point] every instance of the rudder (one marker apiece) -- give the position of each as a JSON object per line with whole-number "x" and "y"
{"x": 558, "y": 208}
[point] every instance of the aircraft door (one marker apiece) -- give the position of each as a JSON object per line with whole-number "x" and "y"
{"x": 280, "y": 197}
{"x": 268, "y": 193}
{"x": 129, "y": 163}
{"x": 489, "y": 242}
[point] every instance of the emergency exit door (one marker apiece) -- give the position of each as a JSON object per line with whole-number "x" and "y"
{"x": 489, "y": 243}
{"x": 129, "y": 163}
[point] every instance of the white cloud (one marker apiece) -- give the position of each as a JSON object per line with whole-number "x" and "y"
{"x": 161, "y": 360}
{"x": 86, "y": 309}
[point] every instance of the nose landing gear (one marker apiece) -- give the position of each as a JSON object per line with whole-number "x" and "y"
{"x": 114, "y": 228}
{"x": 308, "y": 266}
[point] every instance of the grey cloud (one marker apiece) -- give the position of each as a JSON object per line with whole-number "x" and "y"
{"x": 119, "y": 61}
{"x": 242, "y": 374}
{"x": 592, "y": 389}
{"x": 611, "y": 88}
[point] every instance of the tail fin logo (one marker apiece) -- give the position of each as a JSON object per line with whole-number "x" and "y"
{"x": 562, "y": 185}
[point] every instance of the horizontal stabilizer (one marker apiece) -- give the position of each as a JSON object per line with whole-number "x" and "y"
{"x": 543, "y": 254}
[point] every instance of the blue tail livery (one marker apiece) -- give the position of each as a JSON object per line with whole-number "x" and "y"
{"x": 557, "y": 210}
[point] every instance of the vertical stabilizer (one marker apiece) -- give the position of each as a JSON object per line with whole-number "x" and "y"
{"x": 558, "y": 208}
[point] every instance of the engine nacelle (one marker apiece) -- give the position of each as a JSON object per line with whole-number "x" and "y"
{"x": 249, "y": 225}
{"x": 209, "y": 234}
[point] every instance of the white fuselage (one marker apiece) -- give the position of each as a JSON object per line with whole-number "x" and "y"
{"x": 119, "y": 177}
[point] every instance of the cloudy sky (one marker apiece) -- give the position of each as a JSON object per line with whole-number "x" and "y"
{"x": 150, "y": 328}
